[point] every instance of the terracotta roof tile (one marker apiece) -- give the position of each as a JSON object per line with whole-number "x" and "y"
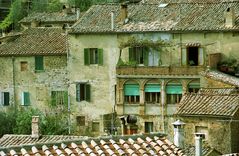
{"x": 150, "y": 18}
{"x": 182, "y": 1}
{"x": 212, "y": 104}
{"x": 134, "y": 145}
{"x": 36, "y": 41}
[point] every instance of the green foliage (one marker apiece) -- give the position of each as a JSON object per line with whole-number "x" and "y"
{"x": 7, "y": 122}
{"x": 128, "y": 63}
{"x": 39, "y": 5}
{"x": 54, "y": 6}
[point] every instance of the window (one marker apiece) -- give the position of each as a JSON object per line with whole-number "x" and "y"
{"x": 4, "y": 98}
{"x": 174, "y": 92}
{"x": 82, "y": 92}
{"x": 192, "y": 56}
{"x": 59, "y": 98}
{"x": 80, "y": 120}
{"x": 138, "y": 55}
{"x": 202, "y": 129}
{"x": 93, "y": 56}
{"x": 131, "y": 93}
{"x": 23, "y": 66}
{"x": 152, "y": 93}
{"x": 193, "y": 87}
{"x": 148, "y": 127}
{"x": 39, "y": 65}
{"x": 25, "y": 98}
{"x": 95, "y": 126}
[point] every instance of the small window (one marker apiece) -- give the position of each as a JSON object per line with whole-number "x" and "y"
{"x": 139, "y": 55}
{"x": 83, "y": 92}
{"x": 59, "y": 98}
{"x": 148, "y": 127}
{"x": 95, "y": 126}
{"x": 25, "y": 98}
{"x": 39, "y": 65}
{"x": 202, "y": 129}
{"x": 131, "y": 93}
{"x": 80, "y": 120}
{"x": 93, "y": 56}
{"x": 4, "y": 98}
{"x": 24, "y": 66}
{"x": 193, "y": 87}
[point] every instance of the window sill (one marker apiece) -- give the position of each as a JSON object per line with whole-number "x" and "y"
{"x": 39, "y": 71}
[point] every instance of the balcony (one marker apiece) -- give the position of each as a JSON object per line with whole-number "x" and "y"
{"x": 161, "y": 70}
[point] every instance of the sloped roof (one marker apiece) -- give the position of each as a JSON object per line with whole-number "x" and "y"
{"x": 135, "y": 145}
{"x": 182, "y": 1}
{"x": 206, "y": 150}
{"x": 222, "y": 77}
{"x": 55, "y": 17}
{"x": 209, "y": 104}
{"x": 151, "y": 18}
{"x": 36, "y": 41}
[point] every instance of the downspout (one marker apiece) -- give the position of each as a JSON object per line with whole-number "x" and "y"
{"x": 14, "y": 84}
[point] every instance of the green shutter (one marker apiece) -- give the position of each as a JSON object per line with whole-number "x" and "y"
{"x": 65, "y": 98}
{"x": 6, "y": 97}
{"x": 26, "y": 98}
{"x": 194, "y": 85}
{"x": 184, "y": 56}
{"x": 131, "y": 57}
{"x": 39, "y": 63}
{"x": 86, "y": 56}
{"x": 146, "y": 55}
{"x": 100, "y": 53}
{"x": 131, "y": 89}
{"x": 53, "y": 98}
{"x": 87, "y": 89}
{"x": 152, "y": 88}
{"x": 174, "y": 89}
{"x": 78, "y": 92}
{"x": 200, "y": 56}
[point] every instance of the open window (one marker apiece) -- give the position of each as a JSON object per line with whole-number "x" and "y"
{"x": 83, "y": 92}
{"x": 131, "y": 93}
{"x": 192, "y": 56}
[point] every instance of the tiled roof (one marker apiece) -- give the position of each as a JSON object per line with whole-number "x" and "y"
{"x": 190, "y": 150}
{"x": 209, "y": 104}
{"x": 36, "y": 41}
{"x": 182, "y": 1}
{"x": 50, "y": 17}
{"x": 151, "y": 18}
{"x": 9, "y": 140}
{"x": 232, "y": 154}
{"x": 219, "y": 76}
{"x": 134, "y": 145}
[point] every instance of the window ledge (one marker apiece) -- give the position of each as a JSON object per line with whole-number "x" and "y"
{"x": 39, "y": 71}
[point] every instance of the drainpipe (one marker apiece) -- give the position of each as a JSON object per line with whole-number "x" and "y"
{"x": 198, "y": 143}
{"x": 14, "y": 84}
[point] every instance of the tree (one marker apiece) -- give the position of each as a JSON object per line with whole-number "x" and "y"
{"x": 7, "y": 122}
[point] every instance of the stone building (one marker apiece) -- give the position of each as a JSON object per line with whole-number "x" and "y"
{"x": 33, "y": 69}
{"x": 141, "y": 58}
{"x": 214, "y": 112}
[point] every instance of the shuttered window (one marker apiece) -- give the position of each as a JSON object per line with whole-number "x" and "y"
{"x": 201, "y": 56}
{"x": 193, "y": 87}
{"x": 59, "y": 98}
{"x": 83, "y": 92}
{"x": 184, "y": 56}
{"x": 39, "y": 65}
{"x": 93, "y": 56}
{"x": 152, "y": 93}
{"x": 174, "y": 93}
{"x": 4, "y": 98}
{"x": 131, "y": 93}
{"x": 139, "y": 55}
{"x": 152, "y": 88}
{"x": 25, "y": 98}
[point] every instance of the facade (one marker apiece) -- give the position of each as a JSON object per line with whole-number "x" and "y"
{"x": 151, "y": 54}
{"x": 213, "y": 112}
{"x": 33, "y": 65}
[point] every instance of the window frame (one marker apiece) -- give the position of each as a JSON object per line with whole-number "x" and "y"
{"x": 25, "y": 99}
{"x": 93, "y": 56}
{"x": 86, "y": 94}
{"x": 63, "y": 95}
{"x": 185, "y": 56}
{"x": 139, "y": 55}
{"x": 39, "y": 63}
{"x": 4, "y": 98}
{"x": 23, "y": 66}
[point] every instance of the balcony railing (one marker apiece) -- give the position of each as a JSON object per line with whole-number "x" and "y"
{"x": 161, "y": 70}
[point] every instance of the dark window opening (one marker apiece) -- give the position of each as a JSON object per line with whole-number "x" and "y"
{"x": 193, "y": 56}
{"x": 131, "y": 99}
{"x": 139, "y": 55}
{"x": 148, "y": 127}
{"x": 4, "y": 98}
{"x": 80, "y": 120}
{"x": 173, "y": 98}
{"x": 82, "y": 92}
{"x": 193, "y": 90}
{"x": 152, "y": 97}
{"x": 23, "y": 66}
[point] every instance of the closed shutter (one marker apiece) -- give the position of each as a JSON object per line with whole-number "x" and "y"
{"x": 88, "y": 96}
{"x": 100, "y": 53}
{"x": 174, "y": 89}
{"x": 86, "y": 56}
{"x": 39, "y": 63}
{"x": 194, "y": 85}
{"x": 184, "y": 56}
{"x": 146, "y": 53}
{"x": 201, "y": 56}
{"x": 131, "y": 89}
{"x": 6, "y": 97}
{"x": 25, "y": 98}
{"x": 78, "y": 92}
{"x": 152, "y": 88}
{"x": 131, "y": 57}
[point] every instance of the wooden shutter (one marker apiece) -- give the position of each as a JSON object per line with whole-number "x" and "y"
{"x": 53, "y": 98}
{"x": 87, "y": 96}
{"x": 86, "y": 56}
{"x": 100, "y": 53}
{"x": 146, "y": 54}
{"x": 25, "y": 98}
{"x": 6, "y": 98}
{"x": 39, "y": 63}
{"x": 65, "y": 94}
{"x": 184, "y": 57}
{"x": 131, "y": 57}
{"x": 201, "y": 56}
{"x": 78, "y": 92}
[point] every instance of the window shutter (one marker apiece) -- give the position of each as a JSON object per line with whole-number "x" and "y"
{"x": 1, "y": 98}
{"x": 86, "y": 56}
{"x": 25, "y": 98}
{"x": 201, "y": 56}
{"x": 100, "y": 53}
{"x": 78, "y": 92}
{"x": 146, "y": 54}
{"x": 87, "y": 88}
{"x": 53, "y": 98}
{"x": 184, "y": 56}
{"x": 39, "y": 63}
{"x": 66, "y": 99}
{"x": 6, "y": 98}
{"x": 131, "y": 58}
{"x": 131, "y": 89}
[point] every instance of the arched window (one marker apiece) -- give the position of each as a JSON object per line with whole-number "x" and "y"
{"x": 152, "y": 93}
{"x": 174, "y": 92}
{"x": 194, "y": 86}
{"x": 131, "y": 93}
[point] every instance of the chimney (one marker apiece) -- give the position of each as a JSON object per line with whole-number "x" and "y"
{"x": 123, "y": 13}
{"x": 198, "y": 143}
{"x": 178, "y": 133}
{"x": 35, "y": 127}
{"x": 230, "y": 17}
{"x": 112, "y": 21}
{"x": 77, "y": 13}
